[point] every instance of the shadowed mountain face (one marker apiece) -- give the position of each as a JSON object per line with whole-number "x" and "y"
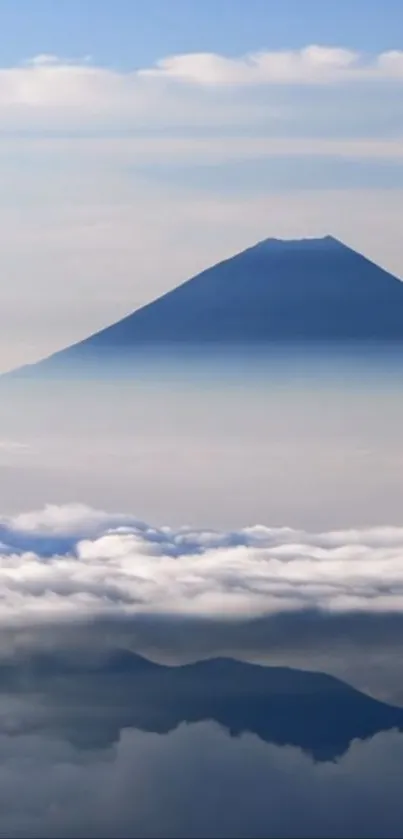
{"x": 92, "y": 704}
{"x": 277, "y": 291}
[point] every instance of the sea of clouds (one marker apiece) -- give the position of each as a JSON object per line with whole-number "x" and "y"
{"x": 79, "y": 580}
{"x": 72, "y": 563}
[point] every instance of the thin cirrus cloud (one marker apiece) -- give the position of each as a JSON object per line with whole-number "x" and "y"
{"x": 73, "y": 563}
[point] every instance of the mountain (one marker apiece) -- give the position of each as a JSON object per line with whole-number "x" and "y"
{"x": 306, "y": 290}
{"x": 313, "y": 711}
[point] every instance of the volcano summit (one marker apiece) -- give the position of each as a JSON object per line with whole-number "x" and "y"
{"x": 278, "y": 291}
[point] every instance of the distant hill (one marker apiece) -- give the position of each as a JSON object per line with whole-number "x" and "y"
{"x": 304, "y": 290}
{"x": 313, "y": 711}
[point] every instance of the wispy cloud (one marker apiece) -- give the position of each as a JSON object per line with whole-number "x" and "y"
{"x": 13, "y": 446}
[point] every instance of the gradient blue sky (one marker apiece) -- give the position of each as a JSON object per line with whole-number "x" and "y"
{"x": 120, "y": 31}
{"x": 141, "y": 140}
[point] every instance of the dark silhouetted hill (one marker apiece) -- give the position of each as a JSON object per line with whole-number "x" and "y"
{"x": 92, "y": 704}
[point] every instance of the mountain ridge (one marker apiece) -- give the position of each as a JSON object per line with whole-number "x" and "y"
{"x": 310, "y": 710}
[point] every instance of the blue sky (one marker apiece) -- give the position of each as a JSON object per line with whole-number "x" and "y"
{"x": 127, "y": 32}
{"x": 142, "y": 140}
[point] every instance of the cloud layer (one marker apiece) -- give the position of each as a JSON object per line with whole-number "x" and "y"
{"x": 194, "y": 88}
{"x": 69, "y": 563}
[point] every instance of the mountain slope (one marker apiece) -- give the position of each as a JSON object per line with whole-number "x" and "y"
{"x": 292, "y": 291}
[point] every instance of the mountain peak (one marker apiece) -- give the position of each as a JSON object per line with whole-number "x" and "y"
{"x": 305, "y": 242}
{"x": 278, "y": 290}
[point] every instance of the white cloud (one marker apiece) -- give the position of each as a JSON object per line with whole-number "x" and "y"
{"x": 45, "y": 80}
{"x": 12, "y": 446}
{"x": 390, "y": 64}
{"x": 48, "y": 88}
{"x": 313, "y": 64}
{"x": 43, "y": 60}
{"x": 67, "y": 563}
